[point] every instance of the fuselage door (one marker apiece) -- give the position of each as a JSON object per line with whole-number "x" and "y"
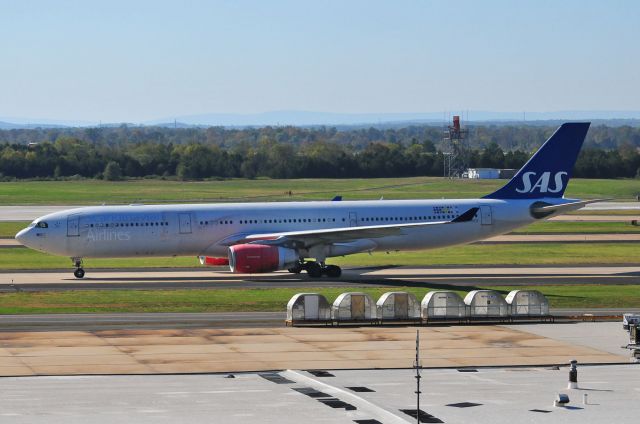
{"x": 353, "y": 219}
{"x": 73, "y": 226}
{"x": 486, "y": 216}
{"x": 185, "y": 223}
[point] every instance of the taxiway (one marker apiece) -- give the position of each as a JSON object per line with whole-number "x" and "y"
{"x": 193, "y": 320}
{"x": 435, "y": 277}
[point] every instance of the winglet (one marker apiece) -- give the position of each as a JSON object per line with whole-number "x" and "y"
{"x": 337, "y": 199}
{"x": 467, "y": 216}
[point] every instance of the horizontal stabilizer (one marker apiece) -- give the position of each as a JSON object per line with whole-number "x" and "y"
{"x": 542, "y": 210}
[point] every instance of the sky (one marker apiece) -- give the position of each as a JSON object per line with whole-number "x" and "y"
{"x": 136, "y": 61}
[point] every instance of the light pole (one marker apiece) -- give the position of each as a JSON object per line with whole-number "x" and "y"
{"x": 417, "y": 367}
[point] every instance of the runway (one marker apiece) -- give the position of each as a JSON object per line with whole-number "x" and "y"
{"x": 95, "y": 322}
{"x": 434, "y": 277}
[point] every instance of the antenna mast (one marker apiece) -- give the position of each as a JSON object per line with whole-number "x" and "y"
{"x": 457, "y": 154}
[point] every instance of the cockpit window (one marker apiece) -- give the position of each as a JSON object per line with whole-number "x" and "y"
{"x": 42, "y": 224}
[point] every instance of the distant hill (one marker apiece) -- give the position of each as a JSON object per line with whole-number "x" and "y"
{"x": 306, "y": 118}
{"x": 298, "y": 118}
{"x": 348, "y": 120}
{"x": 13, "y": 126}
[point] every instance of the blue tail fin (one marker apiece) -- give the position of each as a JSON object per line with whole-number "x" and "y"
{"x": 548, "y": 171}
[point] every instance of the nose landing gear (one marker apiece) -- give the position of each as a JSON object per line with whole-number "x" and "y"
{"x": 79, "y": 272}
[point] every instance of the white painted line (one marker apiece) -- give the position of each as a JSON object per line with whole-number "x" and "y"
{"x": 363, "y": 405}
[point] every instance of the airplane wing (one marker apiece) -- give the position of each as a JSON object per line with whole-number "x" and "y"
{"x": 309, "y": 238}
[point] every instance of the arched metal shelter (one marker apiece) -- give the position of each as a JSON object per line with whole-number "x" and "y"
{"x": 308, "y": 308}
{"x": 353, "y": 306}
{"x": 528, "y": 303}
{"x": 443, "y": 305}
{"x": 398, "y": 306}
{"x": 486, "y": 304}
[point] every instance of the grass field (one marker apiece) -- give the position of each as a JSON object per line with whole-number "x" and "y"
{"x": 505, "y": 254}
{"x": 244, "y": 300}
{"x": 85, "y": 192}
{"x": 560, "y": 227}
{"x": 502, "y": 254}
{"x": 10, "y": 228}
{"x": 619, "y": 212}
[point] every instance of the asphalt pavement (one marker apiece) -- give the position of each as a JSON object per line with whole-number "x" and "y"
{"x": 175, "y": 320}
{"x": 209, "y": 278}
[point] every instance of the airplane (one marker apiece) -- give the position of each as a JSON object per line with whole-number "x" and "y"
{"x": 299, "y": 236}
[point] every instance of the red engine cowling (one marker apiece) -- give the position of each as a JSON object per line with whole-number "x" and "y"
{"x": 256, "y": 258}
{"x": 211, "y": 261}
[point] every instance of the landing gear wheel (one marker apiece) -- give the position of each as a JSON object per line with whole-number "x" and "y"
{"x": 79, "y": 273}
{"x": 332, "y": 271}
{"x": 314, "y": 270}
{"x": 297, "y": 269}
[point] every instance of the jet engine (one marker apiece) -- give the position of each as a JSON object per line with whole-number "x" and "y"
{"x": 211, "y": 261}
{"x": 256, "y": 258}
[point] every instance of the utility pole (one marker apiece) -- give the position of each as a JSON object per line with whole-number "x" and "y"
{"x": 417, "y": 367}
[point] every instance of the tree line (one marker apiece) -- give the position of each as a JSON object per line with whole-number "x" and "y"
{"x": 291, "y": 152}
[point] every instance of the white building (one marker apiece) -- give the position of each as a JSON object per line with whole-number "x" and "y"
{"x": 483, "y": 173}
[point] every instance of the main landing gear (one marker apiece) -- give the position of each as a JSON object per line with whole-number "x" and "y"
{"x": 79, "y": 272}
{"x": 316, "y": 269}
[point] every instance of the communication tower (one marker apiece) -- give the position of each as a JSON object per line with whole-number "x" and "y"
{"x": 456, "y": 149}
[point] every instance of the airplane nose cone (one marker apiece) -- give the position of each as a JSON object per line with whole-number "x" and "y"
{"x": 22, "y": 236}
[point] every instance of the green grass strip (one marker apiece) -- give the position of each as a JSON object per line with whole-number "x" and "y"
{"x": 246, "y": 300}
{"x": 505, "y": 254}
{"x": 559, "y": 227}
{"x": 477, "y": 254}
{"x": 8, "y": 229}
{"x": 94, "y": 192}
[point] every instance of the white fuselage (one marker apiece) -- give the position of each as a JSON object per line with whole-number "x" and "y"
{"x": 206, "y": 229}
